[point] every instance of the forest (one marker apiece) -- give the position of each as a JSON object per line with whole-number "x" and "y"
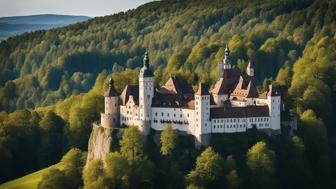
{"x": 52, "y": 81}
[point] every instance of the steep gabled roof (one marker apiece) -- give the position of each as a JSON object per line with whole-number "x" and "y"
{"x": 226, "y": 83}
{"x": 246, "y": 88}
{"x": 130, "y": 90}
{"x": 176, "y": 85}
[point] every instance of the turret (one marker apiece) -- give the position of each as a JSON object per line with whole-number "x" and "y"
{"x": 146, "y": 92}
{"x": 110, "y": 118}
{"x": 250, "y": 69}
{"x": 227, "y": 58}
{"x": 202, "y": 113}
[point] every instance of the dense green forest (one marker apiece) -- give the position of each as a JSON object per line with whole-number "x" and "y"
{"x": 52, "y": 84}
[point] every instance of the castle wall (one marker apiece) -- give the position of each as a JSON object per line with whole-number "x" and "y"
{"x": 180, "y": 119}
{"x": 233, "y": 125}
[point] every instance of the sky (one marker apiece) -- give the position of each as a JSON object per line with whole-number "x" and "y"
{"x": 90, "y": 8}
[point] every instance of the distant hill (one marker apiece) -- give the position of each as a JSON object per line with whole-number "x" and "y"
{"x": 10, "y": 26}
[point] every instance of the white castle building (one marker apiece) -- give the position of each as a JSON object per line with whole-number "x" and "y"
{"x": 232, "y": 105}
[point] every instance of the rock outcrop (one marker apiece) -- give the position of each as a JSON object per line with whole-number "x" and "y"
{"x": 99, "y": 142}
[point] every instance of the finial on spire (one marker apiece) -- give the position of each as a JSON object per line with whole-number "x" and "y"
{"x": 111, "y": 91}
{"x": 250, "y": 69}
{"x": 146, "y": 71}
{"x": 111, "y": 82}
{"x": 227, "y": 50}
{"x": 227, "y": 59}
{"x": 146, "y": 59}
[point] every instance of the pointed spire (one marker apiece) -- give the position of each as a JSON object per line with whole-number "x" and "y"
{"x": 146, "y": 60}
{"x": 146, "y": 71}
{"x": 111, "y": 91}
{"x": 250, "y": 69}
{"x": 111, "y": 82}
{"x": 227, "y": 50}
{"x": 227, "y": 59}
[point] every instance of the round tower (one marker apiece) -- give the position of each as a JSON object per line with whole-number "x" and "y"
{"x": 146, "y": 92}
{"x": 110, "y": 117}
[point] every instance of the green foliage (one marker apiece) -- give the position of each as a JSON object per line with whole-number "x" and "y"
{"x": 233, "y": 179}
{"x": 54, "y": 179}
{"x": 53, "y": 141}
{"x": 42, "y": 67}
{"x": 168, "y": 140}
{"x": 69, "y": 176}
{"x": 292, "y": 41}
{"x": 208, "y": 169}
{"x": 260, "y": 161}
{"x": 117, "y": 170}
{"x": 131, "y": 145}
{"x": 93, "y": 174}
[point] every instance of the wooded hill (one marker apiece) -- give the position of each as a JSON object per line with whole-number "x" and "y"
{"x": 188, "y": 37}
{"x": 292, "y": 43}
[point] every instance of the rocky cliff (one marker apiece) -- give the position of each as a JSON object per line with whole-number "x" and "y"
{"x": 99, "y": 142}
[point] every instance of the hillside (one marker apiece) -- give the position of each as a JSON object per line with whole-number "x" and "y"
{"x": 14, "y": 25}
{"x": 52, "y": 81}
{"x": 29, "y": 181}
{"x": 46, "y": 66}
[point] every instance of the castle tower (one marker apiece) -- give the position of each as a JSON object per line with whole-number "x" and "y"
{"x": 146, "y": 92}
{"x": 202, "y": 115}
{"x": 110, "y": 118}
{"x": 274, "y": 105}
{"x": 227, "y": 58}
{"x": 250, "y": 69}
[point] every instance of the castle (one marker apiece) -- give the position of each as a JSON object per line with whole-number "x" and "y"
{"x": 232, "y": 105}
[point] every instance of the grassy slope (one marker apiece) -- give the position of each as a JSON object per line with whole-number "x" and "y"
{"x": 29, "y": 181}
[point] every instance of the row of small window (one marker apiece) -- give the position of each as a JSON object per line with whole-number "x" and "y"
{"x": 243, "y": 120}
{"x": 229, "y": 126}
{"x": 262, "y": 125}
{"x": 174, "y": 121}
{"x": 259, "y": 119}
{"x": 162, "y": 114}
{"x": 127, "y": 119}
{"x": 129, "y": 113}
{"x": 202, "y": 97}
{"x": 228, "y": 120}
{"x": 206, "y": 103}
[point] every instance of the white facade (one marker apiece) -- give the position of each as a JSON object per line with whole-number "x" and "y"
{"x": 197, "y": 119}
